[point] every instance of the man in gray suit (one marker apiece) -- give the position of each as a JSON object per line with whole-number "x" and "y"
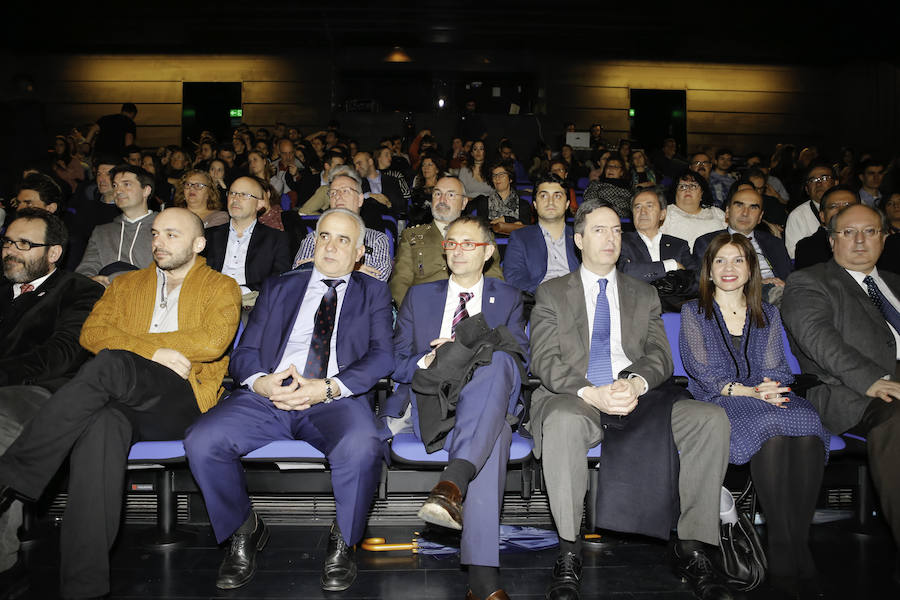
{"x": 843, "y": 320}
{"x": 600, "y": 350}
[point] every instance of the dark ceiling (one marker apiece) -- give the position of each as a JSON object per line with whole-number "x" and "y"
{"x": 782, "y": 32}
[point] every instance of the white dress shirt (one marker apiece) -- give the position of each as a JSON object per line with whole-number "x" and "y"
{"x": 886, "y": 292}
{"x": 473, "y": 307}
{"x": 165, "y": 307}
{"x": 297, "y": 348}
{"x": 765, "y": 267}
{"x": 235, "y": 264}
{"x": 669, "y": 264}
{"x": 801, "y": 223}
{"x": 618, "y": 358}
{"x": 17, "y": 287}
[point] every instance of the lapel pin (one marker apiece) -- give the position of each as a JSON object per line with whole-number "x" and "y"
{"x": 41, "y": 294}
{"x": 491, "y": 300}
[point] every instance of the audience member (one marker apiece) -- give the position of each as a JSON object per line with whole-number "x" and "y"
{"x": 42, "y": 309}
{"x": 803, "y": 221}
{"x": 313, "y": 192}
{"x": 613, "y": 187}
{"x": 502, "y": 209}
{"x": 379, "y": 190}
{"x": 647, "y": 254}
{"x": 475, "y": 175}
{"x": 843, "y": 317}
{"x": 420, "y": 256}
{"x": 558, "y": 167}
{"x": 38, "y": 191}
{"x": 891, "y": 209}
{"x": 66, "y": 166}
{"x": 816, "y": 248}
{"x": 244, "y": 249}
{"x": 383, "y": 162}
{"x": 701, "y": 163}
{"x": 642, "y": 174}
{"x": 287, "y": 169}
{"x": 720, "y": 178}
{"x": 667, "y": 162}
{"x": 422, "y": 187}
{"x": 124, "y": 244}
{"x": 743, "y": 214}
{"x": 200, "y": 194}
{"x": 731, "y": 346}
{"x": 131, "y": 155}
{"x": 160, "y": 335}
{"x": 93, "y": 204}
{"x": 469, "y": 493}
{"x": 345, "y": 191}
{"x": 690, "y": 216}
{"x": 585, "y": 392}
{"x": 545, "y": 250}
{"x": 871, "y": 174}
{"x": 110, "y": 134}
{"x": 293, "y": 387}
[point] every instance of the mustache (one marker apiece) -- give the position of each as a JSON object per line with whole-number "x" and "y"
{"x": 12, "y": 259}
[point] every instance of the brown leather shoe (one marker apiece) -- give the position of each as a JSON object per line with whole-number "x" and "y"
{"x": 443, "y": 506}
{"x": 498, "y": 595}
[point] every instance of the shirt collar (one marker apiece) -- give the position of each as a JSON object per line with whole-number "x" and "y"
{"x": 317, "y": 277}
{"x": 143, "y": 216}
{"x": 651, "y": 241}
{"x": 36, "y": 283}
{"x": 454, "y": 289}
{"x": 858, "y": 276}
{"x": 247, "y": 232}
{"x": 733, "y": 231}
{"x": 589, "y": 278}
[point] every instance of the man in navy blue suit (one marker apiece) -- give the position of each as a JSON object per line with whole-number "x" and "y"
{"x": 646, "y": 253}
{"x": 470, "y": 492}
{"x": 546, "y": 250}
{"x": 743, "y": 212}
{"x": 315, "y": 345}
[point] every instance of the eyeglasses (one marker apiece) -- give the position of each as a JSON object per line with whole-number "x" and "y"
{"x": 819, "y": 179}
{"x": 700, "y": 163}
{"x": 686, "y": 187}
{"x": 500, "y": 175}
{"x": 23, "y": 245}
{"x": 450, "y": 195}
{"x": 195, "y": 185}
{"x": 467, "y": 246}
{"x": 344, "y": 192}
{"x": 850, "y": 233}
{"x": 244, "y": 195}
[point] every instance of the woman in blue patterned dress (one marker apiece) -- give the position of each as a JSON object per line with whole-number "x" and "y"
{"x": 731, "y": 346}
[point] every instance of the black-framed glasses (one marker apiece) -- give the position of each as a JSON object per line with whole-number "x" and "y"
{"x": 23, "y": 245}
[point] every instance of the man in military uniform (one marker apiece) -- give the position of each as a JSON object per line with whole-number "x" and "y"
{"x": 420, "y": 258}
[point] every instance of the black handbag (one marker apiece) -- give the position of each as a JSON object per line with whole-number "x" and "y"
{"x": 741, "y": 558}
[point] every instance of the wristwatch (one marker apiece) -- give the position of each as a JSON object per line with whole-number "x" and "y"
{"x": 329, "y": 395}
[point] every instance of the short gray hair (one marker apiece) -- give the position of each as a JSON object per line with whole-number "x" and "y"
{"x": 882, "y": 218}
{"x": 346, "y": 171}
{"x": 349, "y": 213}
{"x": 659, "y": 190}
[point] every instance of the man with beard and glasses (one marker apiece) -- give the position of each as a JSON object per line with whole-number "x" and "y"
{"x": 160, "y": 335}
{"x": 42, "y": 309}
{"x": 420, "y": 257}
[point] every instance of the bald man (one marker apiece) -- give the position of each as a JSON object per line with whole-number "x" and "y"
{"x": 160, "y": 336}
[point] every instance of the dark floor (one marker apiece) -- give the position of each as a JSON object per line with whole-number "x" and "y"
{"x": 852, "y": 565}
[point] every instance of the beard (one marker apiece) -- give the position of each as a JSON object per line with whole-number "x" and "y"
{"x": 20, "y": 270}
{"x": 173, "y": 260}
{"x": 444, "y": 213}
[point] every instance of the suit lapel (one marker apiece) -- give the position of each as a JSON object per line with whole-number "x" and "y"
{"x": 574, "y": 306}
{"x": 257, "y": 239}
{"x": 290, "y": 311}
{"x": 435, "y": 305}
{"x": 858, "y": 294}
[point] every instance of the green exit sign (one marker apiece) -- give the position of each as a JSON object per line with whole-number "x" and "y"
{"x": 236, "y": 112}
{"x": 630, "y": 112}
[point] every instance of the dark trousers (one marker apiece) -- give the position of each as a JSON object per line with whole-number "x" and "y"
{"x": 880, "y": 425}
{"x": 116, "y": 398}
{"x": 482, "y": 437}
{"x": 344, "y": 431}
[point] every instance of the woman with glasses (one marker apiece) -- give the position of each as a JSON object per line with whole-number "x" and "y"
{"x": 503, "y": 208}
{"x": 731, "y": 347}
{"x": 692, "y": 213}
{"x": 614, "y": 186}
{"x": 200, "y": 195}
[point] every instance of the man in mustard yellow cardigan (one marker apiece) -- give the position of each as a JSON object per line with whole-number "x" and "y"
{"x": 160, "y": 336}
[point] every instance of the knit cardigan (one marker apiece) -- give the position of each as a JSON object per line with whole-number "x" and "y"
{"x": 209, "y": 307}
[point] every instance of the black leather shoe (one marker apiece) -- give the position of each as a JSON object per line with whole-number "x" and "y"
{"x": 239, "y": 564}
{"x": 694, "y": 566}
{"x": 566, "y": 584}
{"x": 339, "y": 571}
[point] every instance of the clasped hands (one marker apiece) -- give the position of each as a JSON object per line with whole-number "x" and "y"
{"x": 618, "y": 398}
{"x": 300, "y": 394}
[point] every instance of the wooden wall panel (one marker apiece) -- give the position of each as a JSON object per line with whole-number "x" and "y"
{"x": 747, "y": 123}
{"x": 287, "y": 92}
{"x": 115, "y": 92}
{"x": 589, "y": 97}
{"x": 148, "y": 114}
{"x": 751, "y": 102}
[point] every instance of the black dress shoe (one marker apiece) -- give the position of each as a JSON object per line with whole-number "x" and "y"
{"x": 694, "y": 566}
{"x": 239, "y": 564}
{"x": 566, "y": 578}
{"x": 339, "y": 571}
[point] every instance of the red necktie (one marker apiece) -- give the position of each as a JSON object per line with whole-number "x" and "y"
{"x": 26, "y": 287}
{"x": 460, "y": 313}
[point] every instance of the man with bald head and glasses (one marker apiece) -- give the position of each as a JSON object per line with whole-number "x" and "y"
{"x": 245, "y": 249}
{"x": 843, "y": 318}
{"x": 346, "y": 191}
{"x": 420, "y": 257}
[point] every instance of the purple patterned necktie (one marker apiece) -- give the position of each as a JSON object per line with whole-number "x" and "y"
{"x": 320, "y": 345}
{"x": 460, "y": 313}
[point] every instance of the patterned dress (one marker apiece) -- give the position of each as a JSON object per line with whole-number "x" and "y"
{"x": 712, "y": 361}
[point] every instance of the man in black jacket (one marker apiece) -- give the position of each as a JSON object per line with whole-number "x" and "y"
{"x": 243, "y": 248}
{"x": 42, "y": 309}
{"x": 816, "y": 248}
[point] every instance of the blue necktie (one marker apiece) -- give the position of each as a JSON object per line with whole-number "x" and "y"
{"x": 881, "y": 303}
{"x": 600, "y": 366}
